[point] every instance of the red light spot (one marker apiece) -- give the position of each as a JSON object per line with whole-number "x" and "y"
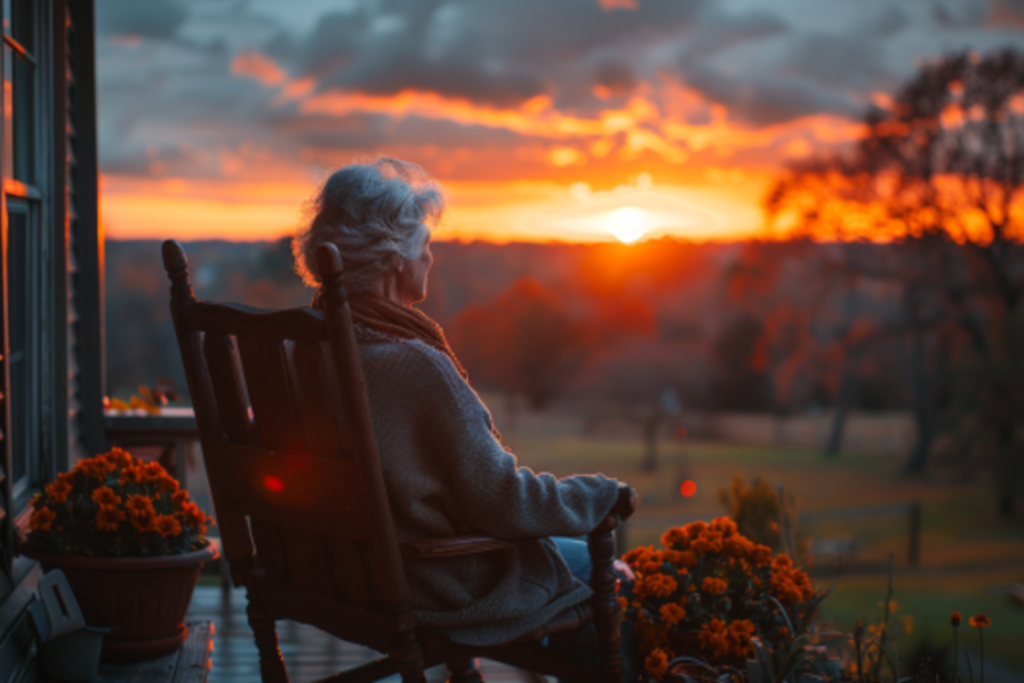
{"x": 273, "y": 484}
{"x": 679, "y": 434}
{"x": 688, "y": 488}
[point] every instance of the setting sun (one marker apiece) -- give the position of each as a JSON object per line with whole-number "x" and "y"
{"x": 627, "y": 224}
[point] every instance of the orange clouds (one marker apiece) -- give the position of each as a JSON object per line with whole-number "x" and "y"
{"x": 640, "y": 125}
{"x": 656, "y": 119}
{"x": 608, "y": 5}
{"x": 263, "y": 69}
{"x": 509, "y": 191}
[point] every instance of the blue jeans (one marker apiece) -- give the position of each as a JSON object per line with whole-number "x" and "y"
{"x": 581, "y": 645}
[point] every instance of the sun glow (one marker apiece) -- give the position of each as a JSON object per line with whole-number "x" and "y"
{"x": 627, "y": 224}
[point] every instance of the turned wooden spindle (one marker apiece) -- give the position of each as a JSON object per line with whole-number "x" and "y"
{"x": 272, "y": 667}
{"x": 176, "y": 265}
{"x": 607, "y": 619}
{"x": 405, "y": 646}
{"x": 464, "y": 671}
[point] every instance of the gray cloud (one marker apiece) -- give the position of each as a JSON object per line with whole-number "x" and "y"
{"x": 768, "y": 62}
{"x": 149, "y": 19}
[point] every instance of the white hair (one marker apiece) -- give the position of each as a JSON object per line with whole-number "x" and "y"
{"x": 377, "y": 214}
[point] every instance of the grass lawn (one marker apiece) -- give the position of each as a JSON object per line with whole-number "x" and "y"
{"x": 968, "y": 555}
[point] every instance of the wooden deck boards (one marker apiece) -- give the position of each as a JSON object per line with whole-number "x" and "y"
{"x": 188, "y": 665}
{"x": 308, "y": 652}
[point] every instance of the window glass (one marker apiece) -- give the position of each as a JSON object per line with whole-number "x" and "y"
{"x": 18, "y": 299}
{"x": 24, "y": 120}
{"x": 21, "y": 22}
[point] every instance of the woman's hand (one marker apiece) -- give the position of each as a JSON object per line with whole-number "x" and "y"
{"x": 627, "y": 503}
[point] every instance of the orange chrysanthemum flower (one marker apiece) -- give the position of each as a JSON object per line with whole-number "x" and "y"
{"x": 954, "y": 619}
{"x": 95, "y": 468}
{"x": 179, "y": 498}
{"x": 151, "y": 472}
{"x": 713, "y": 586}
{"x": 672, "y": 614}
{"x": 789, "y": 585}
{"x": 104, "y": 495}
{"x": 707, "y": 543}
{"x": 980, "y": 621}
{"x": 167, "y": 525}
{"x": 740, "y": 638}
{"x": 130, "y": 475}
{"x": 141, "y": 512}
{"x": 167, "y": 483}
{"x": 109, "y": 518}
{"x": 760, "y": 555}
{"x": 118, "y": 457}
{"x": 674, "y": 536}
{"x": 140, "y": 504}
{"x": 59, "y": 490}
{"x": 656, "y": 663}
{"x": 655, "y": 585}
{"x": 713, "y": 638}
{"x": 681, "y": 559}
{"x": 42, "y": 518}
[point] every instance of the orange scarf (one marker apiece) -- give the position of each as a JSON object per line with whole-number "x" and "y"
{"x": 387, "y": 317}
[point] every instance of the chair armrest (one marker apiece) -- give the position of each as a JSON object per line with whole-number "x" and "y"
{"x": 453, "y": 546}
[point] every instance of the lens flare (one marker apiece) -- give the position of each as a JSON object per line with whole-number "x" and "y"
{"x": 273, "y": 484}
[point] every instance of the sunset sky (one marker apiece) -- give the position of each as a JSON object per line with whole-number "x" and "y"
{"x": 543, "y": 119}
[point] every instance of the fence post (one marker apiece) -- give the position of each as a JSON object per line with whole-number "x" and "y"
{"x": 620, "y": 539}
{"x": 914, "y": 533}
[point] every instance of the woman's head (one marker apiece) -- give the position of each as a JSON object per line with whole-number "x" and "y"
{"x": 379, "y": 215}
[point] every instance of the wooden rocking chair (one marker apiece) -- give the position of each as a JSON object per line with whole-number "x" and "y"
{"x": 301, "y": 503}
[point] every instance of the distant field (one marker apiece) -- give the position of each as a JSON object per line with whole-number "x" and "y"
{"x": 968, "y": 556}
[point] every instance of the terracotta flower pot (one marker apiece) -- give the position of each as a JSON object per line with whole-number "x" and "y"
{"x": 144, "y": 600}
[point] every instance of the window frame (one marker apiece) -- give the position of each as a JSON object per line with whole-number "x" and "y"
{"x": 34, "y": 197}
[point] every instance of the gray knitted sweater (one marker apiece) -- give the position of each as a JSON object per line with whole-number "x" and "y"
{"x": 447, "y": 474}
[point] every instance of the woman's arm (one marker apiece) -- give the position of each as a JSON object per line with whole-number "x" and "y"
{"x": 490, "y": 492}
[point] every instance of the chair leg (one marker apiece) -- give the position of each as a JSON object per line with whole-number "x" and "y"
{"x": 409, "y": 654}
{"x": 464, "y": 671}
{"x": 272, "y": 667}
{"x": 606, "y": 606}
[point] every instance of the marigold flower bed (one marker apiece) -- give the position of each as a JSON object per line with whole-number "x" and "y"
{"x": 709, "y": 593}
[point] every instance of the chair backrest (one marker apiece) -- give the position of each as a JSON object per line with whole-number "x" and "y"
{"x": 294, "y": 471}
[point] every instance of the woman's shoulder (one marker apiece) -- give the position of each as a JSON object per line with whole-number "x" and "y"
{"x": 407, "y": 356}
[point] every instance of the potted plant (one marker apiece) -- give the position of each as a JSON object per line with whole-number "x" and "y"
{"x": 131, "y": 544}
{"x": 711, "y": 600}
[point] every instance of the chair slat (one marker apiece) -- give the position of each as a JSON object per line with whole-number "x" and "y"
{"x": 349, "y": 572}
{"x": 293, "y": 490}
{"x": 270, "y": 550}
{"x": 276, "y": 416}
{"x": 317, "y": 398}
{"x": 228, "y": 387}
{"x": 300, "y": 324}
{"x": 308, "y": 567}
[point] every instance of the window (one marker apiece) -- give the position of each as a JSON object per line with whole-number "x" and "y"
{"x": 28, "y": 297}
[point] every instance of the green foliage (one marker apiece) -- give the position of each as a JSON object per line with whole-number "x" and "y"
{"x": 756, "y": 509}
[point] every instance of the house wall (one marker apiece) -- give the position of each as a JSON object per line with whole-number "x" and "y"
{"x": 64, "y": 392}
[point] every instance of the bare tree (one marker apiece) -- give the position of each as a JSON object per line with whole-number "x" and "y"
{"x": 939, "y": 174}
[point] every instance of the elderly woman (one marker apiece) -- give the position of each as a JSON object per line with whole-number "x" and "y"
{"x": 446, "y": 470}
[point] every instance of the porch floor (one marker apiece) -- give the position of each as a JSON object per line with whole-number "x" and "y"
{"x": 309, "y": 653}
